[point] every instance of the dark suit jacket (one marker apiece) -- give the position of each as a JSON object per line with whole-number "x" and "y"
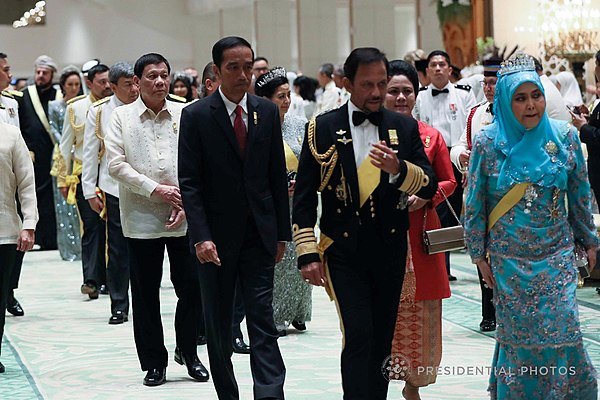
{"x": 340, "y": 220}
{"x": 220, "y": 188}
{"x": 590, "y": 135}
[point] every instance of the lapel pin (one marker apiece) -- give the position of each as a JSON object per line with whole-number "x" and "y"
{"x": 393, "y": 137}
{"x": 175, "y": 128}
{"x": 344, "y": 140}
{"x": 341, "y": 132}
{"x": 255, "y": 114}
{"x": 427, "y": 141}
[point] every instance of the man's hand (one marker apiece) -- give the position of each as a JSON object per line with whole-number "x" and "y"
{"x": 465, "y": 179}
{"x": 207, "y": 253}
{"x": 486, "y": 273}
{"x": 280, "y": 251}
{"x": 578, "y": 120}
{"x": 169, "y": 194}
{"x": 384, "y": 158}
{"x": 591, "y": 255}
{"x": 64, "y": 191}
{"x": 25, "y": 240}
{"x": 314, "y": 273}
{"x": 463, "y": 159}
{"x": 96, "y": 204}
{"x": 415, "y": 203}
{"x": 175, "y": 219}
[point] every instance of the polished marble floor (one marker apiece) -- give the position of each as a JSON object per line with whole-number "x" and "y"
{"x": 63, "y": 348}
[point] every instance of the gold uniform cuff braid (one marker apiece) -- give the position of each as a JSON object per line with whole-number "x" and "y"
{"x": 415, "y": 179}
{"x": 98, "y": 133}
{"x": 305, "y": 240}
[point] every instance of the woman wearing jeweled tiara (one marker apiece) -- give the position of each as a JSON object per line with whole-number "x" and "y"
{"x": 524, "y": 167}
{"x": 292, "y": 301}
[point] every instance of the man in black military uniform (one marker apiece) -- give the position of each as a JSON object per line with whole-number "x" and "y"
{"x": 365, "y": 161}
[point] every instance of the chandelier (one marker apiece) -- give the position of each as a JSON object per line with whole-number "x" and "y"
{"x": 571, "y": 28}
{"x": 35, "y": 16}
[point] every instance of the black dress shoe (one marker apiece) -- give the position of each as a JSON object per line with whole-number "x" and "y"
{"x": 15, "y": 308}
{"x": 155, "y": 377}
{"x": 487, "y": 325}
{"x": 90, "y": 289}
{"x": 117, "y": 318}
{"x": 451, "y": 277}
{"x": 201, "y": 340}
{"x": 282, "y": 332}
{"x": 103, "y": 289}
{"x": 194, "y": 367}
{"x": 240, "y": 347}
{"x": 301, "y": 326}
{"x": 2, "y": 369}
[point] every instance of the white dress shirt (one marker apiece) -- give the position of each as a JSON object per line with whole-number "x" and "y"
{"x": 16, "y": 175}
{"x": 481, "y": 118}
{"x": 329, "y": 100}
{"x": 446, "y": 112}
{"x": 142, "y": 153}
{"x": 231, "y": 106}
{"x": 93, "y": 174}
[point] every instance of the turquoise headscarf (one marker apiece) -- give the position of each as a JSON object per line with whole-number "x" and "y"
{"x": 535, "y": 155}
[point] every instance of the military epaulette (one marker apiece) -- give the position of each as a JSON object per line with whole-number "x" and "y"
{"x": 423, "y": 88}
{"x": 463, "y": 87}
{"x": 178, "y": 99}
{"x": 74, "y": 99}
{"x": 101, "y": 101}
{"x": 12, "y": 93}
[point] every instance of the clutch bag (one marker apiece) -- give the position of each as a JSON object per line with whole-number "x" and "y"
{"x": 581, "y": 260}
{"x": 443, "y": 239}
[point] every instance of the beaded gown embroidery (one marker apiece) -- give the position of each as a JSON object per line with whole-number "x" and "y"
{"x": 539, "y": 348}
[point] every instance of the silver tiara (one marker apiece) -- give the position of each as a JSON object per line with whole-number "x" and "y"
{"x": 277, "y": 72}
{"x": 517, "y": 63}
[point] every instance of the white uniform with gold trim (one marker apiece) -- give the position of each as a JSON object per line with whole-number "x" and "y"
{"x": 9, "y": 110}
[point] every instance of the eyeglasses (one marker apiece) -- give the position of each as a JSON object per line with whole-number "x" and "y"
{"x": 488, "y": 83}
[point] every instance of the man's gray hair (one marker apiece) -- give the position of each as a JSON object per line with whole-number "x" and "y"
{"x": 119, "y": 70}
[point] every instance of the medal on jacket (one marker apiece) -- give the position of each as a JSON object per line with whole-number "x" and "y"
{"x": 255, "y": 115}
{"x": 427, "y": 141}
{"x": 340, "y": 190}
{"x": 393, "y": 137}
{"x": 12, "y": 113}
{"x": 453, "y": 111}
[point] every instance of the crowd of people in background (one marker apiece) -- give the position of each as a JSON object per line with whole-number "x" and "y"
{"x": 118, "y": 164}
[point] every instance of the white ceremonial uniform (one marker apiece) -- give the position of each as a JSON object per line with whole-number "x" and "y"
{"x": 555, "y": 105}
{"x": 71, "y": 141}
{"x": 482, "y": 117}
{"x": 9, "y": 110}
{"x": 330, "y": 99}
{"x": 94, "y": 175}
{"x": 142, "y": 152}
{"x": 446, "y": 112}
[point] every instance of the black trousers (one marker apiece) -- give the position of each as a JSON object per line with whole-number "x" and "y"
{"x": 93, "y": 242}
{"x": 117, "y": 270}
{"x": 15, "y": 274}
{"x": 45, "y": 231}
{"x": 146, "y": 263}
{"x": 7, "y": 260}
{"x": 456, "y": 200}
{"x": 367, "y": 286}
{"x": 488, "y": 311}
{"x": 239, "y": 314}
{"x": 254, "y": 266}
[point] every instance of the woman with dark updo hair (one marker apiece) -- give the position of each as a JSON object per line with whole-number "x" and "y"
{"x": 292, "y": 301}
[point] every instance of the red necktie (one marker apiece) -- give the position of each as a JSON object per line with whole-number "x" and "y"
{"x": 240, "y": 129}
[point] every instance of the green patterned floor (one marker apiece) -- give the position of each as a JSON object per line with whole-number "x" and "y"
{"x": 64, "y": 349}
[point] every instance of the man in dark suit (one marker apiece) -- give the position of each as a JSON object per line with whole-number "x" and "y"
{"x": 234, "y": 189}
{"x": 33, "y": 118}
{"x": 365, "y": 161}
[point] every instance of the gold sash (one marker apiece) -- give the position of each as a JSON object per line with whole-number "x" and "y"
{"x": 291, "y": 161}
{"x": 507, "y": 202}
{"x": 72, "y": 181}
{"x": 39, "y": 109}
{"x": 368, "y": 179}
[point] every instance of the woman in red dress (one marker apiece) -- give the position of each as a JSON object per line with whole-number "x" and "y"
{"x": 417, "y": 341}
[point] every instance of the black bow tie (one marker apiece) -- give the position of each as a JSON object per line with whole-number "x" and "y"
{"x": 435, "y": 92}
{"x": 358, "y": 117}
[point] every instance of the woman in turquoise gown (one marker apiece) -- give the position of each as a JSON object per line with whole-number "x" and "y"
{"x": 539, "y": 348}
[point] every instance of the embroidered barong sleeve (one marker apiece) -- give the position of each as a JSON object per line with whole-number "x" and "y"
{"x": 580, "y": 197}
{"x": 476, "y": 208}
